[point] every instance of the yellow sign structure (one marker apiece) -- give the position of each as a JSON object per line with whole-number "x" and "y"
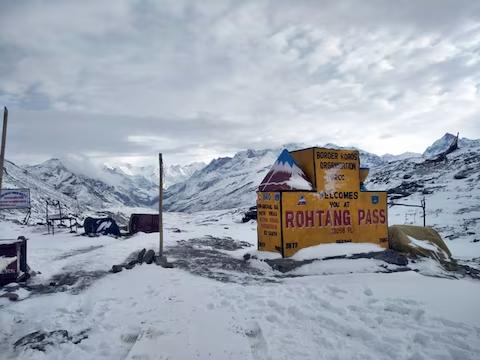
{"x": 335, "y": 211}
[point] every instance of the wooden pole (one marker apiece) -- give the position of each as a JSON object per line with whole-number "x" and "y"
{"x": 424, "y": 212}
{"x": 160, "y": 205}
{"x": 4, "y": 141}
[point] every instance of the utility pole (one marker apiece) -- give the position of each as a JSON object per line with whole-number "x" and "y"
{"x": 4, "y": 140}
{"x": 160, "y": 205}
{"x": 161, "y": 259}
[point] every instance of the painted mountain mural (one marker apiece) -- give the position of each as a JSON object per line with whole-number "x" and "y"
{"x": 285, "y": 174}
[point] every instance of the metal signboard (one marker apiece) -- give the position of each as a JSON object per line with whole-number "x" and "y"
{"x": 15, "y": 199}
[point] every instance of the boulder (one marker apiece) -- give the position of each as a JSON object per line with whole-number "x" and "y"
{"x": 149, "y": 256}
{"x": 417, "y": 241}
{"x": 141, "y": 254}
{"x": 116, "y": 268}
{"x": 130, "y": 265}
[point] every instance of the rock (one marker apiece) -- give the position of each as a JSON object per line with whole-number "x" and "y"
{"x": 82, "y": 335}
{"x": 404, "y": 189}
{"x": 407, "y": 176}
{"x": 130, "y": 265}
{"x": 176, "y": 230}
{"x": 39, "y": 340}
{"x": 10, "y": 296}
{"x": 247, "y": 257}
{"x": 462, "y": 174}
{"x": 149, "y": 255}
{"x": 141, "y": 254}
{"x": 116, "y": 268}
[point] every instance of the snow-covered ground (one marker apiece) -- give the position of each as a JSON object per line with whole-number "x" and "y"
{"x": 215, "y": 305}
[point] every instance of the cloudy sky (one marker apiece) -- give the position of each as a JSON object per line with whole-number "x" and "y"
{"x": 124, "y": 80}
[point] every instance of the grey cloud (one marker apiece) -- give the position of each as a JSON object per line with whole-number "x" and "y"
{"x": 203, "y": 79}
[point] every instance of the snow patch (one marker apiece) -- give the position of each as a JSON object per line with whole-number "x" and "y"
{"x": 327, "y": 250}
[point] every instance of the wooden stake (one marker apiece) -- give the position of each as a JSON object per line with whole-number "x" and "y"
{"x": 4, "y": 140}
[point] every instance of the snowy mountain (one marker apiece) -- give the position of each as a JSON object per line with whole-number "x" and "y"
{"x": 173, "y": 173}
{"x": 97, "y": 187}
{"x": 406, "y": 155}
{"x": 451, "y": 190}
{"x": 232, "y": 182}
{"x": 444, "y": 142}
{"x": 177, "y": 173}
{"x": 83, "y": 187}
{"x": 224, "y": 183}
{"x": 40, "y": 191}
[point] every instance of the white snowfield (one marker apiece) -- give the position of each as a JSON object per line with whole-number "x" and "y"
{"x": 330, "y": 309}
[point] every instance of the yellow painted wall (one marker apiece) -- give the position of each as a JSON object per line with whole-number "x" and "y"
{"x": 268, "y": 221}
{"x": 337, "y": 212}
{"x": 371, "y": 219}
{"x": 337, "y": 170}
{"x": 305, "y": 159}
{"x": 309, "y": 219}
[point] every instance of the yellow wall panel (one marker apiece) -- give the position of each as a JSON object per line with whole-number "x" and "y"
{"x": 337, "y": 170}
{"x": 269, "y": 230}
{"x": 305, "y": 159}
{"x": 372, "y": 217}
{"x": 309, "y": 219}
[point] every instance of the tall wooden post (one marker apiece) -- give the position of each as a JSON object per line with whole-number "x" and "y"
{"x": 4, "y": 140}
{"x": 424, "y": 211}
{"x": 160, "y": 205}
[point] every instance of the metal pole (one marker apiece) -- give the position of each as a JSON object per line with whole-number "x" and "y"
{"x": 4, "y": 140}
{"x": 160, "y": 205}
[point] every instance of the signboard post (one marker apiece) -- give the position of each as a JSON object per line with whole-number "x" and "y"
{"x": 160, "y": 206}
